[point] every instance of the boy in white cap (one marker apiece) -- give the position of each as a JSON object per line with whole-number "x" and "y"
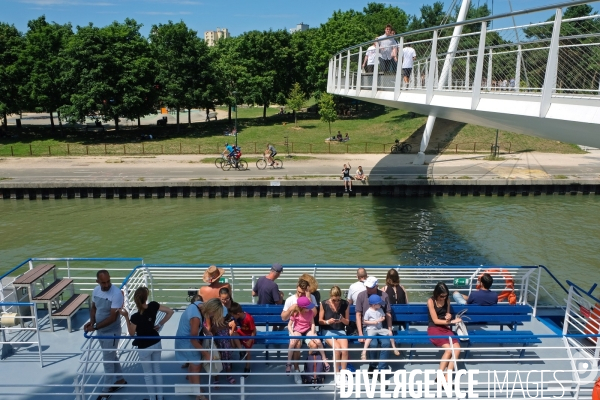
{"x": 373, "y": 319}
{"x": 361, "y": 307}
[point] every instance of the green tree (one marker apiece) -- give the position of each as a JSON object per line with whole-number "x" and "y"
{"x": 229, "y": 72}
{"x": 296, "y": 100}
{"x": 12, "y": 71}
{"x": 266, "y": 57}
{"x": 376, "y": 16}
{"x": 44, "y": 44}
{"x": 579, "y": 56}
{"x": 112, "y": 71}
{"x": 327, "y": 109}
{"x": 342, "y": 30}
{"x": 184, "y": 69}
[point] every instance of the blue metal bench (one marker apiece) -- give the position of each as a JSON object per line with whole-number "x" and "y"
{"x": 417, "y": 314}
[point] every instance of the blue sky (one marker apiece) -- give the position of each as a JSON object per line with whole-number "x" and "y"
{"x": 201, "y": 15}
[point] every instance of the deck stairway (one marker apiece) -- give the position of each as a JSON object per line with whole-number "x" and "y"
{"x": 44, "y": 277}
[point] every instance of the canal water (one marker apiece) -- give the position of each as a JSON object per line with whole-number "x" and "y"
{"x": 561, "y": 232}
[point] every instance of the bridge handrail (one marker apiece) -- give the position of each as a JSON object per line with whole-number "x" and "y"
{"x": 477, "y": 20}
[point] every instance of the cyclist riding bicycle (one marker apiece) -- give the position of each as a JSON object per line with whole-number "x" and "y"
{"x": 229, "y": 150}
{"x": 270, "y": 152}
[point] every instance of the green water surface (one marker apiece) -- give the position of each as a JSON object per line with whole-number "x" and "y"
{"x": 562, "y": 233}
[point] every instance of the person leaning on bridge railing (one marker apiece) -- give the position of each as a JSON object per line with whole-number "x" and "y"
{"x": 388, "y": 51}
{"x": 369, "y": 60}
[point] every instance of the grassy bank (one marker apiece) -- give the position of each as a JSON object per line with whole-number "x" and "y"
{"x": 373, "y": 130}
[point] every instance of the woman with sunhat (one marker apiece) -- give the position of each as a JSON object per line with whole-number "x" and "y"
{"x": 212, "y": 276}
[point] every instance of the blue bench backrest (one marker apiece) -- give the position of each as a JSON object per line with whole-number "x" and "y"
{"x": 411, "y": 313}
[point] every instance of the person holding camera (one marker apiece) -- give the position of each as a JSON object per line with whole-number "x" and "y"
{"x": 334, "y": 315}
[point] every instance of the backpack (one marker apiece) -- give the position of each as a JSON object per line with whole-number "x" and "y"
{"x": 313, "y": 370}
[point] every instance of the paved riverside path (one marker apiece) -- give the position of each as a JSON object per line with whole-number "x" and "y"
{"x": 522, "y": 168}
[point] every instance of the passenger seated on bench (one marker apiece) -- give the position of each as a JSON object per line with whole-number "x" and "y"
{"x": 483, "y": 296}
{"x": 373, "y": 319}
{"x": 333, "y": 318}
{"x": 361, "y": 307}
{"x": 212, "y": 276}
{"x": 440, "y": 320}
{"x": 302, "y": 323}
{"x": 246, "y": 329}
{"x": 291, "y": 306}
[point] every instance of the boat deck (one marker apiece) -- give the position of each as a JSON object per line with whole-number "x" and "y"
{"x": 62, "y": 351}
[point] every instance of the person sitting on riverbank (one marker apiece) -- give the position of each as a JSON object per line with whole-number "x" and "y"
{"x": 483, "y": 296}
{"x": 212, "y": 276}
{"x": 346, "y": 177}
{"x": 360, "y": 174}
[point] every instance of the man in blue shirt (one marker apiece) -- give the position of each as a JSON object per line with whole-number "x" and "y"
{"x": 481, "y": 297}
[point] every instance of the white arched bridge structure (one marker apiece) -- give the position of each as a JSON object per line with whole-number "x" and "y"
{"x": 540, "y": 79}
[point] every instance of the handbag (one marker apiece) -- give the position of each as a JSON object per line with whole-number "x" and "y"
{"x": 216, "y": 365}
{"x": 461, "y": 328}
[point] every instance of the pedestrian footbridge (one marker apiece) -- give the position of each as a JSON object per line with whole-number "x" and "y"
{"x": 540, "y": 79}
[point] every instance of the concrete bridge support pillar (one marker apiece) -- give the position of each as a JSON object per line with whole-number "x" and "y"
{"x": 420, "y": 159}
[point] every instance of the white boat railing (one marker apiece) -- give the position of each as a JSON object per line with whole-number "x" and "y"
{"x": 170, "y": 284}
{"x": 549, "y": 370}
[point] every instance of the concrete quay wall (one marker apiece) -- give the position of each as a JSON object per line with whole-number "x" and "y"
{"x": 291, "y": 188}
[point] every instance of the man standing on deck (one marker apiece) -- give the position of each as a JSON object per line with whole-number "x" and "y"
{"x": 266, "y": 289}
{"x": 107, "y": 300}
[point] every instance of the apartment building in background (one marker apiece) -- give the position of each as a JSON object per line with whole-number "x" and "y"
{"x": 211, "y": 37}
{"x": 299, "y": 28}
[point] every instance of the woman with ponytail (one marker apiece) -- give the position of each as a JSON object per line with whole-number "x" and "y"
{"x": 143, "y": 324}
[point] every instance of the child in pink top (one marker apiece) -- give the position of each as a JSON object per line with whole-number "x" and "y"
{"x": 302, "y": 323}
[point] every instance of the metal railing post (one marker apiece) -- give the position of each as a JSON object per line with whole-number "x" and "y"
{"x": 568, "y": 311}
{"x": 432, "y": 69}
{"x": 479, "y": 68}
{"x": 359, "y": 72}
{"x": 489, "y": 71}
{"x": 330, "y": 75}
{"x": 400, "y": 61}
{"x": 467, "y": 71}
{"x": 537, "y": 291}
{"x": 339, "y": 74}
{"x": 551, "y": 66}
{"x": 518, "y": 69}
{"x": 375, "y": 72}
{"x": 347, "y": 79}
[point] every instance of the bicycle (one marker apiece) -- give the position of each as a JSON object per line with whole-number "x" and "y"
{"x": 240, "y": 165}
{"x": 401, "y": 147}
{"x": 263, "y": 163}
{"x": 219, "y": 161}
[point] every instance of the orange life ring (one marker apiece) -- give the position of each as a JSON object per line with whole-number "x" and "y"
{"x": 592, "y": 325}
{"x": 509, "y": 290}
{"x": 596, "y": 390}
